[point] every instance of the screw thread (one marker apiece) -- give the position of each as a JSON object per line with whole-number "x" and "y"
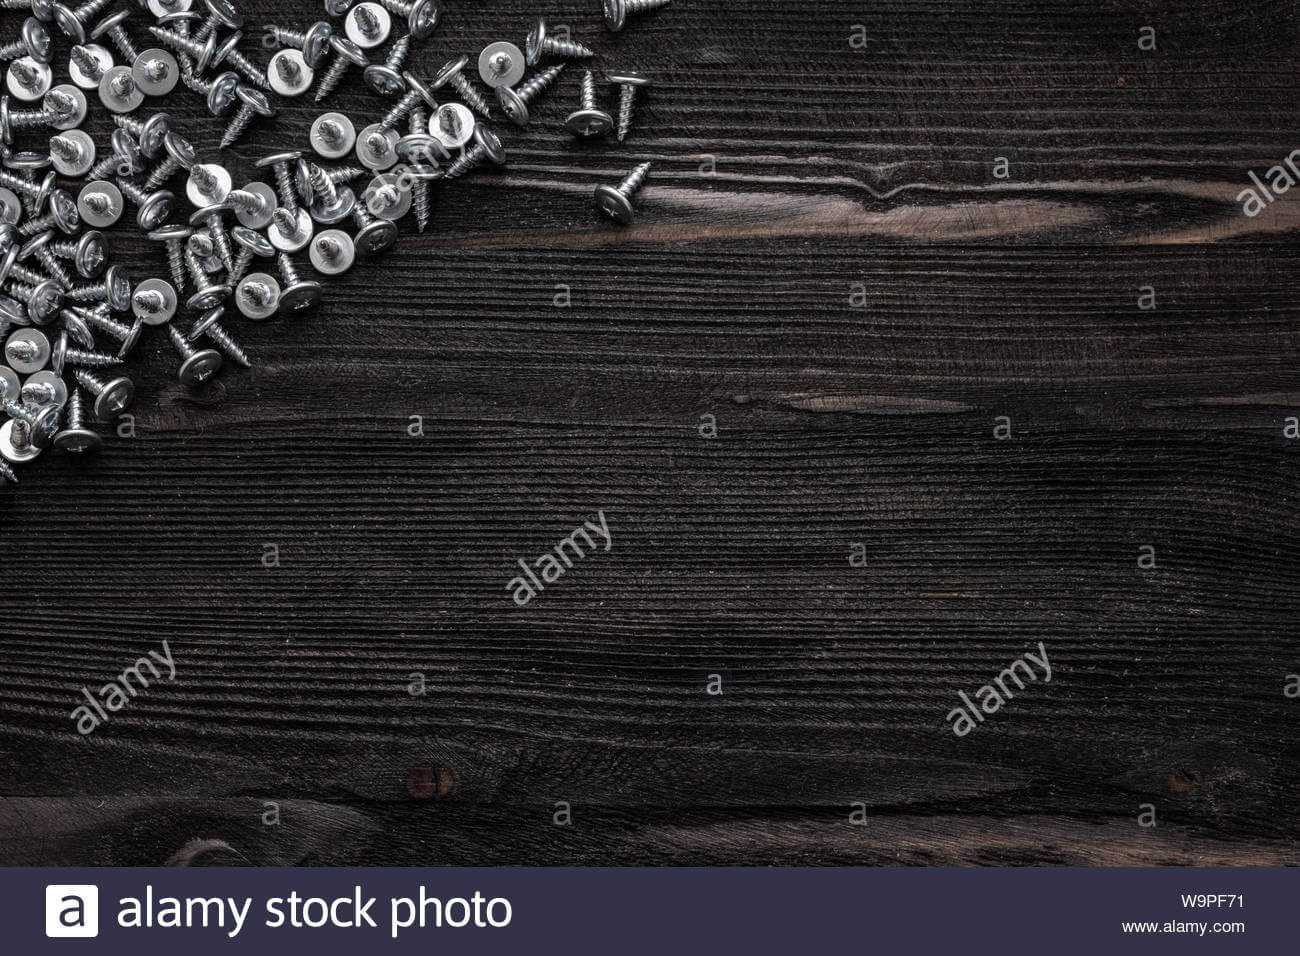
{"x": 332, "y": 77}
{"x": 34, "y": 226}
{"x": 54, "y": 267}
{"x": 155, "y": 69}
{"x": 420, "y": 187}
{"x": 400, "y": 109}
{"x": 288, "y": 69}
{"x": 23, "y": 187}
{"x": 329, "y": 247}
{"x": 567, "y": 49}
{"x": 66, "y": 149}
{"x": 196, "y": 84}
{"x": 123, "y": 84}
{"x": 27, "y": 76}
{"x": 150, "y": 301}
{"x": 222, "y": 242}
{"x": 30, "y": 119}
{"x": 397, "y": 53}
{"x": 98, "y": 202}
{"x": 243, "y": 119}
{"x": 223, "y": 341}
{"x": 7, "y": 473}
{"x": 470, "y": 95}
{"x": 465, "y": 162}
{"x": 123, "y": 43}
{"x": 246, "y": 202}
{"x": 399, "y": 7}
{"x": 322, "y": 184}
{"x": 536, "y": 84}
{"x": 286, "y": 221}
{"x": 89, "y": 381}
{"x": 361, "y": 216}
{"x": 92, "y": 292}
{"x": 287, "y": 37}
{"x": 249, "y": 69}
{"x": 11, "y": 51}
{"x": 644, "y": 6}
{"x": 287, "y": 271}
{"x": 105, "y": 323}
{"x": 179, "y": 342}
{"x": 345, "y": 174}
{"x": 284, "y": 187}
{"x": 20, "y": 271}
{"x": 626, "y": 97}
{"x": 180, "y": 44}
{"x": 75, "y": 409}
{"x": 367, "y": 22}
{"x": 133, "y": 192}
{"x": 195, "y": 268}
{"x": 630, "y": 186}
{"x": 588, "y": 97}
{"x": 242, "y": 260}
{"x": 87, "y": 10}
{"x": 88, "y": 359}
{"x": 203, "y": 178}
{"x": 176, "y": 264}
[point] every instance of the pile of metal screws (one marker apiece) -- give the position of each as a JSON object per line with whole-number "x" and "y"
{"x": 70, "y": 317}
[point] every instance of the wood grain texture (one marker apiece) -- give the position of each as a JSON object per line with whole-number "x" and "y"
{"x": 824, "y": 262}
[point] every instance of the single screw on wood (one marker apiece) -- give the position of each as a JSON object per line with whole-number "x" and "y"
{"x": 197, "y": 365}
{"x": 173, "y": 238}
{"x": 628, "y": 84}
{"x": 540, "y": 43}
{"x": 418, "y": 123}
{"x": 7, "y": 473}
{"x": 487, "y": 148}
{"x": 617, "y": 11}
{"x": 112, "y": 26}
{"x": 62, "y": 357}
{"x": 373, "y": 235}
{"x": 514, "y": 103}
{"x": 209, "y": 324}
{"x": 616, "y": 201}
{"x": 296, "y": 294}
{"x": 589, "y": 119}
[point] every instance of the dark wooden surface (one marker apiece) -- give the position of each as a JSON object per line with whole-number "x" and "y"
{"x": 730, "y": 297}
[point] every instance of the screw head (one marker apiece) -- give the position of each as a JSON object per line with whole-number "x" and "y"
{"x": 258, "y": 295}
{"x": 115, "y": 100}
{"x": 68, "y": 23}
{"x": 222, "y": 93}
{"x": 377, "y": 147}
{"x": 491, "y": 143}
{"x": 513, "y": 106}
{"x": 628, "y": 79}
{"x": 11, "y": 208}
{"x": 300, "y": 74}
{"x": 357, "y": 34}
{"x": 64, "y": 211}
{"x": 9, "y": 384}
{"x": 160, "y": 286}
{"x": 331, "y": 212}
{"x": 78, "y": 440}
{"x": 383, "y": 79}
{"x": 44, "y": 388}
{"x": 85, "y": 158}
{"x": 348, "y": 50}
{"x": 36, "y": 40}
{"x": 154, "y": 210}
{"x": 108, "y": 23}
{"x": 375, "y": 237}
{"x": 336, "y": 8}
{"x": 27, "y": 350}
{"x": 164, "y": 8}
{"x": 449, "y": 71}
{"x": 614, "y": 204}
{"x": 225, "y": 13}
{"x": 416, "y": 85}
{"x": 255, "y": 100}
{"x": 316, "y": 43}
{"x": 422, "y": 19}
{"x": 501, "y": 64}
{"x": 45, "y": 302}
{"x": 589, "y": 123}
{"x": 301, "y": 296}
{"x": 251, "y": 240}
{"x": 615, "y": 14}
{"x": 421, "y": 149}
{"x": 91, "y": 254}
{"x": 75, "y": 326}
{"x": 156, "y": 72}
{"x": 79, "y": 76}
{"x": 387, "y": 197}
{"x": 199, "y": 367}
{"x": 301, "y": 234}
{"x": 117, "y": 285}
{"x": 153, "y": 135}
{"x": 221, "y": 183}
{"x": 335, "y": 150}
{"x": 338, "y": 262}
{"x": 114, "y": 399}
{"x": 41, "y": 78}
{"x": 453, "y": 124}
{"x": 76, "y": 115}
{"x": 89, "y": 214}
{"x": 11, "y": 452}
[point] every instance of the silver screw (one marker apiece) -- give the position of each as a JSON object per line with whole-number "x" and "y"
{"x": 313, "y": 42}
{"x": 487, "y": 147}
{"x": 126, "y": 335}
{"x": 617, "y": 11}
{"x": 540, "y": 44}
{"x": 151, "y": 208}
{"x": 628, "y": 84}
{"x": 589, "y": 120}
{"x": 452, "y": 73}
{"x": 421, "y": 15}
{"x": 253, "y": 103}
{"x": 616, "y": 201}
{"x": 385, "y": 78}
{"x": 346, "y": 53}
{"x": 73, "y": 22}
{"x": 197, "y": 365}
{"x": 75, "y": 435}
{"x": 209, "y": 324}
{"x": 111, "y": 398}
{"x": 514, "y": 103}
